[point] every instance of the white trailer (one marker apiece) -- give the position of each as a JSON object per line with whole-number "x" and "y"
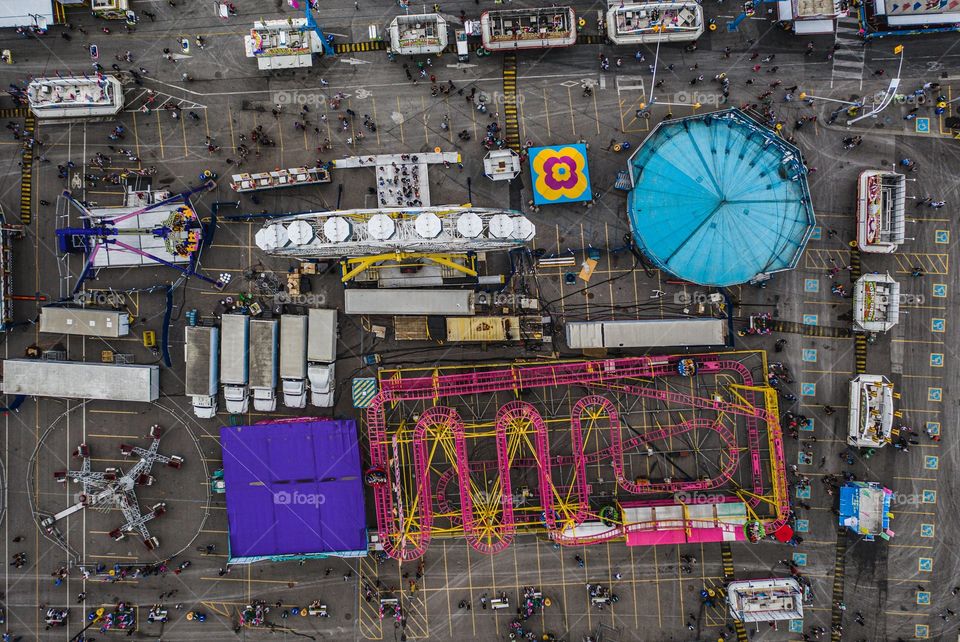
{"x": 647, "y": 333}
{"x": 81, "y": 380}
{"x": 293, "y": 360}
{"x": 264, "y": 344}
{"x": 201, "y": 353}
{"x": 322, "y": 356}
{"x": 448, "y": 303}
{"x": 235, "y": 331}
{"x": 89, "y": 322}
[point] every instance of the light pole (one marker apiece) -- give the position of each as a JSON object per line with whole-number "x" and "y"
{"x": 891, "y": 91}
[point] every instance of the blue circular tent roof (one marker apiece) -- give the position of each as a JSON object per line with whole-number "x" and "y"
{"x": 719, "y": 199}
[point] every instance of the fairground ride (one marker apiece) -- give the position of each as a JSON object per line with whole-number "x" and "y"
{"x": 180, "y": 230}
{"x": 652, "y": 450}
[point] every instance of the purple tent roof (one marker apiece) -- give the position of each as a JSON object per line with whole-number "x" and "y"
{"x": 293, "y": 488}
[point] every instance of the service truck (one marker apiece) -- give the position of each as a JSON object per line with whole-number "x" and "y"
{"x": 234, "y": 338}
{"x": 322, "y": 356}
{"x": 264, "y": 344}
{"x": 202, "y": 354}
{"x": 293, "y": 360}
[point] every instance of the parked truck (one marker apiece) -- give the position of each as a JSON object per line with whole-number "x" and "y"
{"x": 264, "y": 344}
{"x": 293, "y": 360}
{"x": 203, "y": 369}
{"x": 234, "y": 341}
{"x": 322, "y": 356}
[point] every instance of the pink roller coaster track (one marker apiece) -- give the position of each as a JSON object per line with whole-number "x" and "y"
{"x": 604, "y": 374}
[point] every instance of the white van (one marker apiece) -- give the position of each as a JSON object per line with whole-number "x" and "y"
{"x": 463, "y": 49}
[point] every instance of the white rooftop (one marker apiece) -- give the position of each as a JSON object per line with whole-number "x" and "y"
{"x": 26, "y": 13}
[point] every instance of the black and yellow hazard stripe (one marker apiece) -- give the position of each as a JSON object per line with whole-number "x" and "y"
{"x": 811, "y": 330}
{"x": 856, "y": 270}
{"x": 726, "y": 557}
{"x": 860, "y": 353}
{"x": 26, "y": 174}
{"x": 591, "y": 39}
{"x": 59, "y": 14}
{"x": 359, "y": 47}
{"x": 511, "y": 121}
{"x": 839, "y": 568}
{"x": 18, "y": 112}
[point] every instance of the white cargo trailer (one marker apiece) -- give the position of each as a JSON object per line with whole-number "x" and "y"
{"x": 646, "y": 333}
{"x": 81, "y": 380}
{"x": 264, "y": 344}
{"x": 322, "y": 356}
{"x": 234, "y": 336}
{"x": 293, "y": 360}
{"x": 88, "y": 322}
{"x": 202, "y": 356}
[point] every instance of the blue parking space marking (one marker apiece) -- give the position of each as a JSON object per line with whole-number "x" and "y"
{"x": 933, "y": 427}
{"x": 811, "y": 285}
{"x": 940, "y": 290}
{"x": 811, "y": 319}
{"x": 796, "y": 626}
{"x": 817, "y": 233}
{"x": 803, "y": 493}
{"x": 923, "y": 598}
{"x": 801, "y": 525}
{"x": 929, "y": 497}
{"x": 804, "y": 459}
{"x": 921, "y": 631}
{"x": 808, "y": 389}
{"x": 941, "y": 237}
{"x": 925, "y": 564}
{"x": 938, "y": 325}
{"x": 808, "y": 426}
{"x": 936, "y": 359}
{"x": 927, "y": 530}
{"x": 810, "y": 355}
{"x": 923, "y": 125}
{"x": 931, "y": 462}
{"x": 934, "y": 394}
{"x": 800, "y": 559}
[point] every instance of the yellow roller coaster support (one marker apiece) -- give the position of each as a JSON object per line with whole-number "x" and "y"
{"x": 352, "y": 267}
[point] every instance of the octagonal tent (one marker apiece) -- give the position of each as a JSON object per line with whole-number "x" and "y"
{"x": 718, "y": 199}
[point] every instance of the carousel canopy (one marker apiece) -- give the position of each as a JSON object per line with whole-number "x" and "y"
{"x": 719, "y": 199}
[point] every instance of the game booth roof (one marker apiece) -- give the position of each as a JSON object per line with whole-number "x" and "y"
{"x": 294, "y": 490}
{"x": 719, "y": 199}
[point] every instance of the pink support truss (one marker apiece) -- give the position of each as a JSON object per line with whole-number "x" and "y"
{"x": 517, "y": 378}
{"x": 639, "y": 488}
{"x": 608, "y": 374}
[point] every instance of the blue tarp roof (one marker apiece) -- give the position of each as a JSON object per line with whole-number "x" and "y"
{"x": 293, "y": 488}
{"x": 718, "y": 199}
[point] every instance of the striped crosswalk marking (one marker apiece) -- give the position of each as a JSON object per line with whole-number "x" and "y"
{"x": 860, "y": 353}
{"x": 848, "y": 58}
{"x": 512, "y": 123}
{"x": 26, "y": 174}
{"x": 839, "y": 568}
{"x": 359, "y": 47}
{"x": 726, "y": 556}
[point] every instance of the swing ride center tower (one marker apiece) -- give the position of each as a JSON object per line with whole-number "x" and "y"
{"x": 646, "y": 450}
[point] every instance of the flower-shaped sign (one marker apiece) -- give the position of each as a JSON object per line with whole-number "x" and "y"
{"x": 560, "y": 174}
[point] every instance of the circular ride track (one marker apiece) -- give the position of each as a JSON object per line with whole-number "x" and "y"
{"x": 465, "y": 457}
